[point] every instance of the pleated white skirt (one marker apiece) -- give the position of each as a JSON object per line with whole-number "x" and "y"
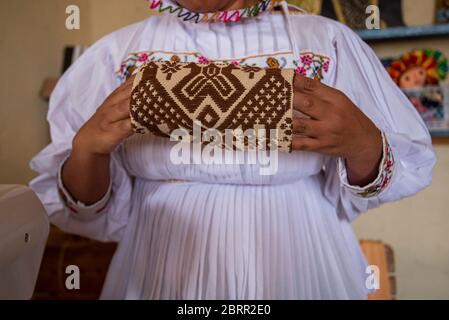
{"x": 212, "y": 241}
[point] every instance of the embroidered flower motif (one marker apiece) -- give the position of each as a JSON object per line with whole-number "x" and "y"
{"x": 143, "y": 57}
{"x": 306, "y": 60}
{"x": 326, "y": 66}
{"x": 203, "y": 60}
{"x": 308, "y": 64}
{"x": 132, "y": 63}
{"x": 312, "y": 65}
{"x": 301, "y": 71}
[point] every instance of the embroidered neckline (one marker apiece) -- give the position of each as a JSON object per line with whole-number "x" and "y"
{"x": 167, "y": 6}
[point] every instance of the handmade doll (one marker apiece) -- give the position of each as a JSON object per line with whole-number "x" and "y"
{"x": 419, "y": 73}
{"x": 418, "y": 68}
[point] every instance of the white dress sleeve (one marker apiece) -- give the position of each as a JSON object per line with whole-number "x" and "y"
{"x": 76, "y": 97}
{"x": 408, "y": 157}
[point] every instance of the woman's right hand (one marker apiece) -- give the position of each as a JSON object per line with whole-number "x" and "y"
{"x": 109, "y": 126}
{"x": 86, "y": 173}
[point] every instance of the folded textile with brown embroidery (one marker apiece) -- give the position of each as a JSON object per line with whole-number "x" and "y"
{"x": 170, "y": 95}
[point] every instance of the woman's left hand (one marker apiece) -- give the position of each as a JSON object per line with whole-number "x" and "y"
{"x": 335, "y": 126}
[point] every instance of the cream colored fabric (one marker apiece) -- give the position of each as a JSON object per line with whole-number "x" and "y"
{"x": 169, "y": 95}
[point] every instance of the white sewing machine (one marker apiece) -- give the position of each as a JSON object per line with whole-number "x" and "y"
{"x": 24, "y": 228}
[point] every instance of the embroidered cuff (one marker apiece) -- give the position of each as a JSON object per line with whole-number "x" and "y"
{"x": 78, "y": 209}
{"x": 380, "y": 183}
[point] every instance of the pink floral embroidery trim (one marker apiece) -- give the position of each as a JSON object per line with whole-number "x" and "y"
{"x": 308, "y": 64}
{"x": 312, "y": 65}
{"x": 386, "y": 173}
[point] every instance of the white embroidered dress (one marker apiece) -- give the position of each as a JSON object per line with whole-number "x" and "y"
{"x": 225, "y": 231}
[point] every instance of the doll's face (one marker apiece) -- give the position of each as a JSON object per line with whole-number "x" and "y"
{"x": 413, "y": 78}
{"x": 207, "y": 5}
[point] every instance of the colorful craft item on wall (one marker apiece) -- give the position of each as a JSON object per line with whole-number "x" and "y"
{"x": 418, "y": 68}
{"x": 431, "y": 102}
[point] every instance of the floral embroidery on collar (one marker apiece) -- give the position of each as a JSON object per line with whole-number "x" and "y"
{"x": 312, "y": 65}
{"x": 162, "y": 6}
{"x": 308, "y": 64}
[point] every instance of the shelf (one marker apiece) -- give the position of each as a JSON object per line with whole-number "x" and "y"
{"x": 399, "y": 33}
{"x": 440, "y": 140}
{"x": 440, "y": 136}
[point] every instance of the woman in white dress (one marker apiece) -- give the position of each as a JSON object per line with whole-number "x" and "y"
{"x": 224, "y": 231}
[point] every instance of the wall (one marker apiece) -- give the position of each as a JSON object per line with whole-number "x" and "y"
{"x": 32, "y": 37}
{"x": 31, "y": 49}
{"x": 110, "y": 15}
{"x": 416, "y": 228}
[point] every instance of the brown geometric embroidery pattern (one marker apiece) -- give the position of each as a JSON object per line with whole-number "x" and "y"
{"x": 169, "y": 95}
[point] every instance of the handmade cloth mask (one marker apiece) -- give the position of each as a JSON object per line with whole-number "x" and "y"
{"x": 170, "y": 95}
